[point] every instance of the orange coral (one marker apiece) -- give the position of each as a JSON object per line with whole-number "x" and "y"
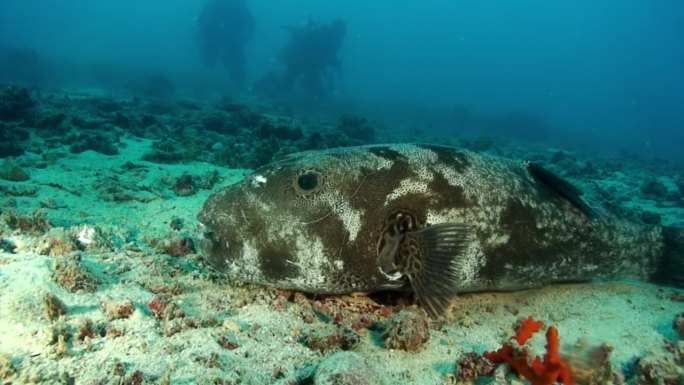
{"x": 553, "y": 368}
{"x": 526, "y": 329}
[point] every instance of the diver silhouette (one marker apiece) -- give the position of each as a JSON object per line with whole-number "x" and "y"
{"x": 310, "y": 57}
{"x": 310, "y": 60}
{"x": 224, "y": 28}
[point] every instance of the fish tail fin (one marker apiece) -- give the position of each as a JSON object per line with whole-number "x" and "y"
{"x": 670, "y": 269}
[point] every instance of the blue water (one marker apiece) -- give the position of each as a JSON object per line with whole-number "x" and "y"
{"x": 606, "y": 75}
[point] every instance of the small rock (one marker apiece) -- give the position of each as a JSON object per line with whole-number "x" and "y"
{"x": 221, "y": 122}
{"x": 13, "y": 173}
{"x": 70, "y": 274}
{"x": 407, "y": 331}
{"x": 16, "y": 103}
{"x": 93, "y": 141}
{"x": 163, "y": 307}
{"x": 473, "y": 365}
{"x": 117, "y": 309}
{"x": 185, "y": 186}
{"x": 655, "y": 189}
{"x": 177, "y": 247}
{"x": 53, "y": 307}
{"x": 227, "y": 341}
{"x": 7, "y": 369}
{"x": 344, "y": 368}
{"x": 37, "y": 223}
{"x": 323, "y": 340}
{"x": 678, "y": 325}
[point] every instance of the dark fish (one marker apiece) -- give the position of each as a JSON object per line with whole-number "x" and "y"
{"x": 435, "y": 220}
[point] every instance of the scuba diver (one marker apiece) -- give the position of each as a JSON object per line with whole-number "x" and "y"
{"x": 310, "y": 60}
{"x": 224, "y": 28}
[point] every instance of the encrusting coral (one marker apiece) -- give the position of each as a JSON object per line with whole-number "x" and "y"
{"x": 539, "y": 372}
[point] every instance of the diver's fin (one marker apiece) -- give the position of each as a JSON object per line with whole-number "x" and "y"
{"x": 431, "y": 257}
{"x": 670, "y": 269}
{"x": 564, "y": 188}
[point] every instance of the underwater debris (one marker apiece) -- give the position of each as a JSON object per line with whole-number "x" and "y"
{"x": 158, "y": 285}
{"x": 170, "y": 151}
{"x": 107, "y": 105}
{"x": 221, "y": 122}
{"x": 241, "y": 115}
{"x": 227, "y": 341}
{"x": 56, "y": 242}
{"x": 37, "y": 223}
{"x": 659, "y": 368}
{"x": 148, "y": 120}
{"x": 185, "y": 186}
{"x": 113, "y": 332}
{"x": 86, "y": 330}
{"x": 89, "y": 237}
{"x": 12, "y": 172}
{"x": 94, "y": 141}
{"x": 539, "y": 372}
{"x": 678, "y": 325}
{"x": 174, "y": 326}
{"x": 117, "y": 309}
{"x": 7, "y": 246}
{"x": 592, "y": 365}
{"x": 59, "y": 336}
{"x": 70, "y": 274}
{"x": 172, "y": 316}
{"x": 53, "y": 307}
{"x": 119, "y": 375}
{"x": 212, "y": 361}
{"x": 7, "y": 369}
{"x": 351, "y": 312}
{"x": 655, "y": 189}
{"x": 178, "y": 246}
{"x": 123, "y": 121}
{"x": 407, "y": 330}
{"x": 176, "y": 224}
{"x": 52, "y": 121}
{"x": 16, "y": 103}
{"x": 473, "y": 365}
{"x": 159, "y": 306}
{"x": 19, "y": 192}
{"x": 9, "y": 149}
{"x": 208, "y": 180}
{"x": 322, "y": 339}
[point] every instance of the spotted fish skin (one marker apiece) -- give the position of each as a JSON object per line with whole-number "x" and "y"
{"x": 315, "y": 222}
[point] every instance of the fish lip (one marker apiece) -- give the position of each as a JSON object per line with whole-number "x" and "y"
{"x": 208, "y": 240}
{"x": 207, "y": 243}
{"x": 393, "y": 277}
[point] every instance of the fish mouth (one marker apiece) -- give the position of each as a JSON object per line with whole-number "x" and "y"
{"x": 208, "y": 242}
{"x": 214, "y": 249}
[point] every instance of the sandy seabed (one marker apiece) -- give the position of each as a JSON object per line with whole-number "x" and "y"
{"x": 101, "y": 283}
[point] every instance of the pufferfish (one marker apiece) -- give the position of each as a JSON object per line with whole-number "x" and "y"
{"x": 434, "y": 220}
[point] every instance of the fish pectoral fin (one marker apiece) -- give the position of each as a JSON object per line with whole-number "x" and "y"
{"x": 432, "y": 259}
{"x": 564, "y": 188}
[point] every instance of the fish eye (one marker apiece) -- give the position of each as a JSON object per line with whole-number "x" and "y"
{"x": 308, "y": 182}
